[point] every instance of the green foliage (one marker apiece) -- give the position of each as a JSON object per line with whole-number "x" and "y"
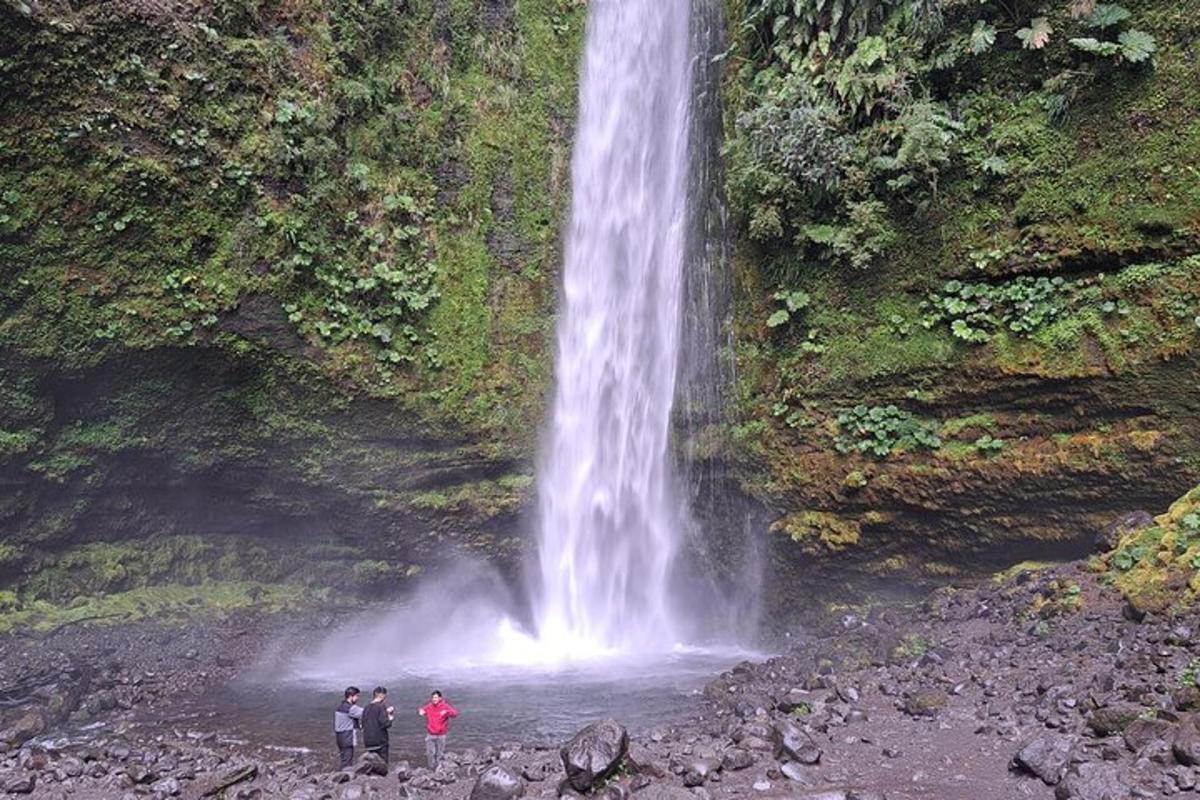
{"x": 974, "y": 311}
{"x": 1107, "y": 15}
{"x": 1036, "y": 35}
{"x": 1190, "y": 674}
{"x": 791, "y": 302}
{"x": 882, "y": 430}
{"x": 850, "y": 124}
{"x": 989, "y": 445}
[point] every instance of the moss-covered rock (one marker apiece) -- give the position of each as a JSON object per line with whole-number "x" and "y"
{"x": 1157, "y": 567}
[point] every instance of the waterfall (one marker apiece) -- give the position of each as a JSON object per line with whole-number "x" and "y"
{"x": 611, "y": 518}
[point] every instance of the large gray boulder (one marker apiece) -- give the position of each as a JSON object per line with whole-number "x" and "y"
{"x": 1046, "y": 757}
{"x": 1093, "y": 781}
{"x": 792, "y": 742}
{"x": 594, "y": 753}
{"x": 497, "y": 782}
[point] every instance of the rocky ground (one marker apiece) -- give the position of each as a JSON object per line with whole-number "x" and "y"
{"x": 1044, "y": 685}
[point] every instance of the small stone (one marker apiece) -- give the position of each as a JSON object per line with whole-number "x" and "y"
{"x": 736, "y": 758}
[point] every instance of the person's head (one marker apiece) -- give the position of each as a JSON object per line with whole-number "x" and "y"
{"x": 352, "y": 693}
{"x": 435, "y": 697}
{"x": 378, "y": 694}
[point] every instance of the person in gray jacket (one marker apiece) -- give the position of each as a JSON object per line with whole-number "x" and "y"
{"x": 346, "y": 721}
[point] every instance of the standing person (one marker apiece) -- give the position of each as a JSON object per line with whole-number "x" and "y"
{"x": 375, "y": 723}
{"x": 437, "y": 713}
{"x": 346, "y": 720}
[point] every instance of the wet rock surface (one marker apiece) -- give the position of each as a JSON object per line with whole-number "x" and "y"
{"x": 999, "y": 691}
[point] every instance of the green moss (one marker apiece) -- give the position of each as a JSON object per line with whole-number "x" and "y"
{"x": 169, "y": 601}
{"x": 1158, "y": 567}
{"x": 817, "y": 531}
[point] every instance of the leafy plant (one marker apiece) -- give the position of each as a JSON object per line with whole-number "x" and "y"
{"x": 793, "y": 301}
{"x": 989, "y": 445}
{"x": 983, "y": 37}
{"x": 881, "y": 430}
{"x": 1036, "y": 35}
{"x": 1188, "y": 677}
{"x": 1107, "y": 15}
{"x": 974, "y": 311}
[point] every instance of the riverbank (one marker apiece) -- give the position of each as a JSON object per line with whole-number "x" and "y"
{"x": 1044, "y": 684}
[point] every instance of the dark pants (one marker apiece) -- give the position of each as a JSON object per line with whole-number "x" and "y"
{"x": 380, "y": 749}
{"x": 345, "y": 745}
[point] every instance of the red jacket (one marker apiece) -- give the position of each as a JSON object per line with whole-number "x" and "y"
{"x": 437, "y": 717}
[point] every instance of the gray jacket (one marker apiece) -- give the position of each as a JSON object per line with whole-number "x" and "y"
{"x": 346, "y": 717}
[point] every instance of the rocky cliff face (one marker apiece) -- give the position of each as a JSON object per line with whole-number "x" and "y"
{"x": 988, "y": 349}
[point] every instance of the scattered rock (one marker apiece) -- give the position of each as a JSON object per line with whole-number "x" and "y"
{"x": 736, "y": 758}
{"x": 1113, "y": 719}
{"x": 22, "y": 784}
{"x": 1186, "y": 746}
{"x": 29, "y": 725}
{"x": 229, "y": 778}
{"x": 1093, "y": 781}
{"x": 1142, "y": 734}
{"x": 370, "y": 764}
{"x": 497, "y": 782}
{"x": 594, "y": 753}
{"x": 1046, "y": 757}
{"x": 925, "y": 703}
{"x": 792, "y": 742}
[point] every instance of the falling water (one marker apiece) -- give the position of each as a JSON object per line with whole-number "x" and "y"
{"x": 610, "y": 521}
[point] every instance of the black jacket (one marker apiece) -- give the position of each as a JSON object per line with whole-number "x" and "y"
{"x": 375, "y": 724}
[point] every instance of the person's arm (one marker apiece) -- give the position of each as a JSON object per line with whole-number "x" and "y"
{"x": 356, "y": 712}
{"x": 449, "y": 711}
{"x": 421, "y": 711}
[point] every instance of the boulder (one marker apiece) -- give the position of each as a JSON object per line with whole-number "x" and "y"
{"x": 795, "y": 772}
{"x": 534, "y": 772}
{"x": 22, "y": 784}
{"x": 1186, "y": 698}
{"x": 1113, "y": 719}
{"x": 736, "y": 758}
{"x": 25, "y": 728}
{"x": 1093, "y": 781}
{"x": 1142, "y": 734}
{"x": 594, "y": 753}
{"x": 1186, "y": 746}
{"x": 370, "y": 763}
{"x": 1046, "y": 757}
{"x": 229, "y": 777}
{"x": 925, "y": 703}
{"x": 792, "y": 742}
{"x": 497, "y": 783}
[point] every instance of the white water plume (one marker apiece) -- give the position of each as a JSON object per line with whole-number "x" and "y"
{"x": 610, "y": 522}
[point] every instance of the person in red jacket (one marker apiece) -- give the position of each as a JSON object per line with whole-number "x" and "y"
{"x": 437, "y": 713}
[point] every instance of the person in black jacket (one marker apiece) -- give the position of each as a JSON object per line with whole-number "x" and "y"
{"x": 376, "y": 720}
